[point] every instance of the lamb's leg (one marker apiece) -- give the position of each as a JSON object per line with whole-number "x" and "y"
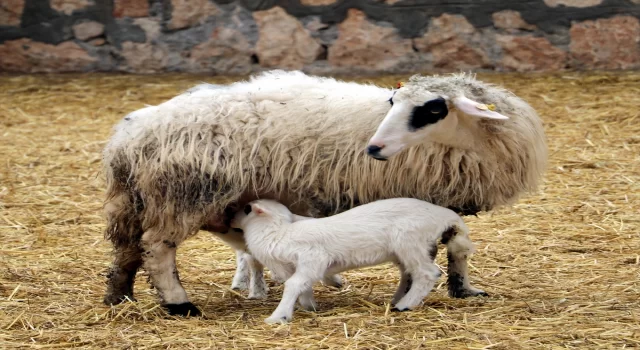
{"x": 160, "y": 261}
{"x": 458, "y": 277}
{"x": 300, "y": 282}
{"x": 257, "y": 286}
{"x": 403, "y": 287}
{"x": 122, "y": 274}
{"x": 241, "y": 278}
{"x": 423, "y": 279}
{"x": 307, "y": 301}
{"x": 332, "y": 281}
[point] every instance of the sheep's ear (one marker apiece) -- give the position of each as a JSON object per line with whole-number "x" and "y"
{"x": 476, "y": 109}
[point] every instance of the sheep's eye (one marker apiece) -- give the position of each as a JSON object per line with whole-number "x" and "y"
{"x": 247, "y": 209}
{"x": 429, "y": 113}
{"x": 391, "y": 101}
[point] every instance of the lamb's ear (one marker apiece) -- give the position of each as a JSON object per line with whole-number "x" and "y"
{"x": 476, "y": 109}
{"x": 258, "y": 209}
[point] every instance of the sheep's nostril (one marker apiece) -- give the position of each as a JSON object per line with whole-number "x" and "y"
{"x": 374, "y": 149}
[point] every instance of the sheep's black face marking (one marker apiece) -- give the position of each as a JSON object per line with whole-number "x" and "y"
{"x": 247, "y": 209}
{"x": 429, "y": 113}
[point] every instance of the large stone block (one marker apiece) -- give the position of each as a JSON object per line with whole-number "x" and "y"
{"x": 366, "y": 46}
{"x": 453, "y": 44}
{"x": 608, "y": 43}
{"x": 143, "y": 57}
{"x": 528, "y": 53}
{"x": 573, "y": 3}
{"x": 68, "y": 6}
{"x": 226, "y": 52}
{"x": 130, "y": 8}
{"x": 26, "y": 56}
{"x": 10, "y": 12}
{"x": 283, "y": 41}
{"x": 510, "y": 20}
{"x": 87, "y": 30}
{"x": 187, "y": 13}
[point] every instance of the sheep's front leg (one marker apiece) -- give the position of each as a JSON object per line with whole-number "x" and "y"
{"x": 160, "y": 261}
{"x": 241, "y": 278}
{"x": 300, "y": 282}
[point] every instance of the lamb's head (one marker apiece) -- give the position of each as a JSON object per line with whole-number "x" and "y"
{"x": 261, "y": 212}
{"x": 424, "y": 113}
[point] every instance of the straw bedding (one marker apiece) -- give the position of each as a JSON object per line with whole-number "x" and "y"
{"x": 562, "y": 266}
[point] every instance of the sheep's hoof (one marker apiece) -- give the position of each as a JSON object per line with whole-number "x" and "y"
{"x": 467, "y": 293}
{"x": 184, "y": 309}
{"x": 395, "y": 309}
{"x": 277, "y": 319}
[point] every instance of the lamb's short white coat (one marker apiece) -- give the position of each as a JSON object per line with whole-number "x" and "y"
{"x": 404, "y": 231}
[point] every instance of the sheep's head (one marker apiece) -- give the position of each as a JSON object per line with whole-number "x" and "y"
{"x": 262, "y": 211}
{"x": 420, "y": 116}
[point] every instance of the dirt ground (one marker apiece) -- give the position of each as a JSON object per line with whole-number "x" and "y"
{"x": 562, "y": 266}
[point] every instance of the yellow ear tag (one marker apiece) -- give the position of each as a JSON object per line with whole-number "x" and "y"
{"x": 491, "y": 107}
{"x": 399, "y": 84}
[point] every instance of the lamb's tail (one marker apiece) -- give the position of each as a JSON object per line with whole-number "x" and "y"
{"x": 457, "y": 240}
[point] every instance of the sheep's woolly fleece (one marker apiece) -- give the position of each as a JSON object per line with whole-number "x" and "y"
{"x": 561, "y": 266}
{"x": 302, "y": 138}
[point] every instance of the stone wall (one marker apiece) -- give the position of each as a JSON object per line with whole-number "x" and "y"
{"x": 319, "y": 36}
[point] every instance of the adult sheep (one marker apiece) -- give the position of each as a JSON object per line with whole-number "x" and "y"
{"x": 191, "y": 162}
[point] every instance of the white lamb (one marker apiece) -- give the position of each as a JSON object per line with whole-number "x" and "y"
{"x": 404, "y": 231}
{"x": 254, "y": 280}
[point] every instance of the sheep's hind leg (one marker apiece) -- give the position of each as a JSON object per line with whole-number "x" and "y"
{"x": 160, "y": 261}
{"x": 458, "y": 277}
{"x": 122, "y": 274}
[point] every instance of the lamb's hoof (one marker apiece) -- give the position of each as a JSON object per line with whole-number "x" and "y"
{"x": 277, "y": 278}
{"x": 257, "y": 296}
{"x": 184, "y": 309}
{"x": 277, "y": 319}
{"x": 117, "y": 299}
{"x": 309, "y": 307}
{"x": 240, "y": 285}
{"x": 334, "y": 281}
